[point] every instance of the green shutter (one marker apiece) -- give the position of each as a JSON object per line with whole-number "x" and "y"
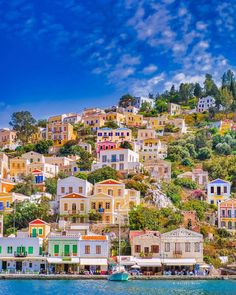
{"x": 40, "y": 231}
{"x": 34, "y": 233}
{"x": 18, "y": 250}
{"x": 30, "y": 250}
{"x": 23, "y": 250}
{"x": 66, "y": 250}
{"x": 40, "y": 250}
{"x": 74, "y": 249}
{"x": 56, "y": 249}
{"x": 9, "y": 250}
{"x": 0, "y": 249}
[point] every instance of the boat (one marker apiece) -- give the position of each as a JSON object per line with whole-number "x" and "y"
{"x": 120, "y": 274}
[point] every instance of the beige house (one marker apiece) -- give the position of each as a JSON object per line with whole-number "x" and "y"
{"x": 197, "y": 175}
{"x": 159, "y": 169}
{"x": 146, "y": 134}
{"x": 4, "y": 169}
{"x": 174, "y": 109}
{"x": 18, "y": 167}
{"x": 8, "y": 138}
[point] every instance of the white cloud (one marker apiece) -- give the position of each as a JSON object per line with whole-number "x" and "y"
{"x": 149, "y": 69}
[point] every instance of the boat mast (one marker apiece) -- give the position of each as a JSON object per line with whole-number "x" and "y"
{"x": 119, "y": 238}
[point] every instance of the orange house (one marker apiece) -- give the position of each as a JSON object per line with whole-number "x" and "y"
{"x": 39, "y": 228}
{"x": 6, "y": 185}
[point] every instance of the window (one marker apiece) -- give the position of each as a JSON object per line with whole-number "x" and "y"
{"x": 110, "y": 192}
{"x": 87, "y": 249}
{"x": 119, "y": 192}
{"x": 98, "y": 249}
{"x": 122, "y": 157}
{"x": 82, "y": 207}
{"x": 65, "y": 207}
{"x": 196, "y": 247}
{"x": 40, "y": 231}
{"x": 56, "y": 249}
{"x": 30, "y": 265}
{"x": 30, "y": 250}
{"x": 9, "y": 250}
{"x": 80, "y": 190}
{"x": 104, "y": 159}
{"x": 167, "y": 247}
{"x": 93, "y": 205}
{"x": 62, "y": 190}
{"x": 155, "y": 248}
{"x": 108, "y": 205}
{"x": 73, "y": 207}
{"x": 121, "y": 166}
{"x": 74, "y": 249}
{"x": 218, "y": 190}
{"x": 225, "y": 190}
{"x": 212, "y": 189}
{"x": 187, "y": 247}
{"x": 70, "y": 190}
{"x": 229, "y": 213}
{"x": 146, "y": 250}
{"x": 137, "y": 248}
{"x": 8, "y": 204}
{"x": 0, "y": 249}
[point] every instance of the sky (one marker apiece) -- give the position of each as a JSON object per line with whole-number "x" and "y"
{"x": 61, "y": 56}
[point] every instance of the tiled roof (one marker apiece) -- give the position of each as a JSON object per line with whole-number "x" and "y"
{"x": 38, "y": 221}
{"x": 73, "y": 196}
{"x": 93, "y": 238}
{"x": 109, "y": 181}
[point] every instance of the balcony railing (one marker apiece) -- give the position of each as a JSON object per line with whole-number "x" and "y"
{"x": 20, "y": 254}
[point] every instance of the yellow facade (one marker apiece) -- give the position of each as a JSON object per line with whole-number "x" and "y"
{"x": 18, "y": 167}
{"x": 157, "y": 122}
{"x": 111, "y": 197}
{"x": 94, "y": 121}
{"x": 133, "y": 120}
{"x": 39, "y": 228}
{"x": 6, "y": 200}
{"x": 60, "y": 133}
{"x": 116, "y": 117}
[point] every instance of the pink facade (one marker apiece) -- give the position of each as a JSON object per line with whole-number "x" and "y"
{"x": 105, "y": 145}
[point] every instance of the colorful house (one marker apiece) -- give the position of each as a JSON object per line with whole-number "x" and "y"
{"x": 115, "y": 135}
{"x": 105, "y": 145}
{"x": 110, "y": 197}
{"x": 218, "y": 190}
{"x": 197, "y": 175}
{"x": 39, "y": 229}
{"x": 6, "y": 185}
{"x": 133, "y": 120}
{"x": 7, "y": 199}
{"x": 8, "y": 139}
{"x": 174, "y": 109}
{"x": 227, "y": 215}
{"x": 124, "y": 160}
{"x": 94, "y": 121}
{"x": 119, "y": 118}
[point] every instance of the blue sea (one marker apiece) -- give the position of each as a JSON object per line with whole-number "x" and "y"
{"x": 88, "y": 287}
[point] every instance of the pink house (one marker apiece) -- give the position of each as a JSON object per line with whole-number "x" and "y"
{"x": 106, "y": 145}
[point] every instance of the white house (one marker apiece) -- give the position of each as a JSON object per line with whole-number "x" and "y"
{"x": 139, "y": 100}
{"x": 123, "y": 160}
{"x": 22, "y": 254}
{"x": 204, "y": 103}
{"x": 218, "y": 190}
{"x": 73, "y": 184}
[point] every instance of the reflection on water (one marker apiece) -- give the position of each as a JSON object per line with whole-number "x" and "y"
{"x": 89, "y": 287}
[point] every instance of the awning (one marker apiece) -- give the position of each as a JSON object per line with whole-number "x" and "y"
{"x": 180, "y": 261}
{"x": 57, "y": 260}
{"x": 93, "y": 261}
{"x": 155, "y": 262}
{"x": 27, "y": 258}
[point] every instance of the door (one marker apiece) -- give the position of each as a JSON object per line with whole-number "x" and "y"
{"x": 67, "y": 250}
{"x": 34, "y": 233}
{"x": 18, "y": 265}
{"x": 66, "y": 268}
{"x": 4, "y": 265}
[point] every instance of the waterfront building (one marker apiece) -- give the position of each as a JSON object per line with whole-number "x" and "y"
{"x": 227, "y": 215}
{"x": 21, "y": 254}
{"x": 123, "y": 160}
{"x": 218, "y": 190}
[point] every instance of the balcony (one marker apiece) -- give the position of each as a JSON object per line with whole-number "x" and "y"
{"x": 20, "y": 254}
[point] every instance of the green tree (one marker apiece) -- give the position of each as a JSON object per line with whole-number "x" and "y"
{"x": 126, "y": 145}
{"x": 102, "y": 174}
{"x": 42, "y": 123}
{"x": 42, "y": 146}
{"x": 24, "y": 125}
{"x": 126, "y": 100}
{"x": 111, "y": 124}
{"x": 161, "y": 106}
{"x": 26, "y": 187}
{"x": 51, "y": 185}
{"x": 204, "y": 153}
{"x": 85, "y": 160}
{"x": 197, "y": 90}
{"x": 145, "y": 107}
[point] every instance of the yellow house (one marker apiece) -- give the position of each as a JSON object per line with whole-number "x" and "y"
{"x": 7, "y": 199}
{"x": 218, "y": 191}
{"x": 18, "y": 167}
{"x": 39, "y": 229}
{"x": 94, "y": 121}
{"x": 133, "y": 120}
{"x": 157, "y": 122}
{"x": 60, "y": 133}
{"x": 111, "y": 197}
{"x": 73, "y": 207}
{"x": 116, "y": 117}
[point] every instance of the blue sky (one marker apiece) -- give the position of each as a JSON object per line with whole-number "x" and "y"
{"x": 63, "y": 55}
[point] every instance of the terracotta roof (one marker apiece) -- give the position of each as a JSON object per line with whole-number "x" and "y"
{"x": 93, "y": 238}
{"x": 109, "y": 181}
{"x": 74, "y": 196}
{"x": 38, "y": 221}
{"x": 36, "y": 171}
